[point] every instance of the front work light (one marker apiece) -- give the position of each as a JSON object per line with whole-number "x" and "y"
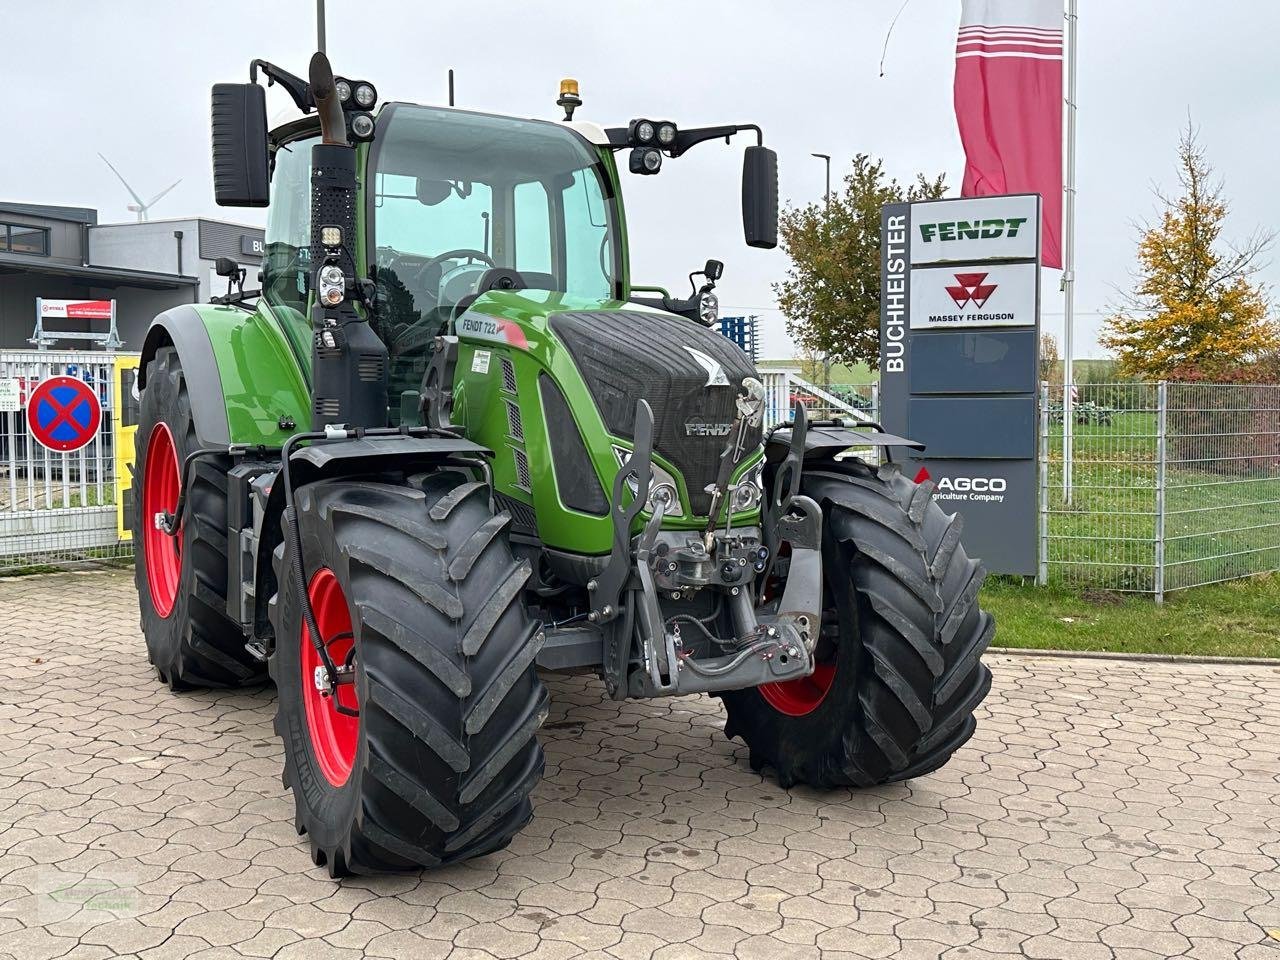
{"x": 362, "y": 126}
{"x": 343, "y": 89}
{"x": 641, "y": 131}
{"x": 365, "y": 95}
{"x": 645, "y": 160}
{"x": 666, "y": 134}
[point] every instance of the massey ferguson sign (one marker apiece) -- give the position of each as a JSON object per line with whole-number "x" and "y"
{"x": 974, "y": 295}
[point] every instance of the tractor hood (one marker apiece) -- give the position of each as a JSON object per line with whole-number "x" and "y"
{"x": 624, "y": 352}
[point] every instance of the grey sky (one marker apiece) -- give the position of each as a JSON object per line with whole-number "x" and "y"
{"x": 131, "y": 79}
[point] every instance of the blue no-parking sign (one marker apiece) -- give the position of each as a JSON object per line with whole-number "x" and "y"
{"x": 63, "y": 414}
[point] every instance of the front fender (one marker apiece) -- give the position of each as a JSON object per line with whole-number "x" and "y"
{"x": 244, "y": 379}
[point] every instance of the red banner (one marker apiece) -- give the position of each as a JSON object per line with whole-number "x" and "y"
{"x": 1008, "y": 96}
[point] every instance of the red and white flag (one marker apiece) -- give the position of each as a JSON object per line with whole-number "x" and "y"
{"x": 1008, "y": 95}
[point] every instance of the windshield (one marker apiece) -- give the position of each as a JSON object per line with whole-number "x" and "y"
{"x": 454, "y": 195}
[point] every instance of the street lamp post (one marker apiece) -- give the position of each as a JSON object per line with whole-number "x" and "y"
{"x": 827, "y": 159}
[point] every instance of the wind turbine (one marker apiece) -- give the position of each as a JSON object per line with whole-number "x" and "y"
{"x": 138, "y": 206}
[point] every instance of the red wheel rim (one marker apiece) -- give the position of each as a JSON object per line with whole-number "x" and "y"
{"x": 333, "y": 735}
{"x": 161, "y": 481}
{"x": 798, "y": 697}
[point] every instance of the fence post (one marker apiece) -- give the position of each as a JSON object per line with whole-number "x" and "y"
{"x": 1042, "y": 577}
{"x": 1162, "y": 405}
{"x": 875, "y": 401}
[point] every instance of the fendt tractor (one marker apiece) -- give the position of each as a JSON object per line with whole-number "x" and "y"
{"x": 450, "y": 443}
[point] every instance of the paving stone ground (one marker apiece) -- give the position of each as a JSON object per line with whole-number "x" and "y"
{"x": 1104, "y": 810}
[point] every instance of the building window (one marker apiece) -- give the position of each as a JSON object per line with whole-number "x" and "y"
{"x": 19, "y": 238}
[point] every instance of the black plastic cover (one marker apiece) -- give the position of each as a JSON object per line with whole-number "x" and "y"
{"x": 760, "y": 197}
{"x": 240, "y": 177}
{"x": 575, "y": 474}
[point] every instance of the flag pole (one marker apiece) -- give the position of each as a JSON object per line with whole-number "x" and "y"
{"x": 1069, "y": 259}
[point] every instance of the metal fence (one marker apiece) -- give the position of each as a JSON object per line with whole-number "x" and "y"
{"x": 1174, "y": 485}
{"x": 57, "y": 507}
{"x": 822, "y": 401}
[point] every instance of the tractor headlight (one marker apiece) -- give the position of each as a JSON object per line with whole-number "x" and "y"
{"x": 645, "y": 160}
{"x": 666, "y": 134}
{"x": 708, "y": 307}
{"x": 365, "y": 95}
{"x": 642, "y": 131}
{"x": 750, "y": 490}
{"x": 333, "y": 285}
{"x": 362, "y": 126}
{"x": 662, "y": 486}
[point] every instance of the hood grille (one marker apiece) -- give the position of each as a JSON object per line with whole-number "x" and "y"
{"x": 625, "y": 356}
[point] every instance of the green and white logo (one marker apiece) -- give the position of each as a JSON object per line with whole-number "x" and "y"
{"x": 992, "y": 229}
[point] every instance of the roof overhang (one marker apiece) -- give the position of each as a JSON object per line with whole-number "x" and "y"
{"x": 95, "y": 276}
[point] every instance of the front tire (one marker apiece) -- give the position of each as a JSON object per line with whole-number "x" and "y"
{"x": 182, "y": 580}
{"x": 900, "y": 670}
{"x": 416, "y": 585}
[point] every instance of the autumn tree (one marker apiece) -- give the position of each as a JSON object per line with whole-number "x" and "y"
{"x": 1195, "y": 305}
{"x": 831, "y": 293}
{"x": 1050, "y": 360}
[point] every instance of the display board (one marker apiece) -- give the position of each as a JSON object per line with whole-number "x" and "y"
{"x": 959, "y": 362}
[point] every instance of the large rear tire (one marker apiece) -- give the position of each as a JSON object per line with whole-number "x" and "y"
{"x": 900, "y": 670}
{"x": 416, "y": 585}
{"x": 182, "y": 580}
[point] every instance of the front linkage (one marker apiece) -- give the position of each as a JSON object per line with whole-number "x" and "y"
{"x": 645, "y": 654}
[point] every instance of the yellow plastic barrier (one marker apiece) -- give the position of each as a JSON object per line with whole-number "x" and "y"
{"x": 125, "y": 408}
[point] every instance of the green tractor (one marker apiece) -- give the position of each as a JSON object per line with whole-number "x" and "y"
{"x": 450, "y": 443}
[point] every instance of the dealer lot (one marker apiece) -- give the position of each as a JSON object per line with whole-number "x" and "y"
{"x": 1104, "y": 810}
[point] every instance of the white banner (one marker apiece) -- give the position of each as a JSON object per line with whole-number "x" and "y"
{"x": 975, "y": 228}
{"x": 974, "y": 295}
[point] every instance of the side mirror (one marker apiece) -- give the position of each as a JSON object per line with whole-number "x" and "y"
{"x": 226, "y": 267}
{"x": 713, "y": 271}
{"x": 240, "y": 177}
{"x": 760, "y": 197}
{"x": 431, "y": 192}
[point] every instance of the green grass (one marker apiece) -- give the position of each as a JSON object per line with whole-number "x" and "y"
{"x": 1236, "y": 619}
{"x": 858, "y": 373}
{"x": 1217, "y": 525}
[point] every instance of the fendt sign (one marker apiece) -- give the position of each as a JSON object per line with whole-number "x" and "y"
{"x": 959, "y": 360}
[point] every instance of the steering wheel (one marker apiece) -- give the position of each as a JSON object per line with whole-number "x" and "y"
{"x": 468, "y": 252}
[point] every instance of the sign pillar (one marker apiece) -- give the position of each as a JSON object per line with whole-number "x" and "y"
{"x": 959, "y": 362}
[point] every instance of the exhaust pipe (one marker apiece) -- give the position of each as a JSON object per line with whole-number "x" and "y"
{"x": 333, "y": 126}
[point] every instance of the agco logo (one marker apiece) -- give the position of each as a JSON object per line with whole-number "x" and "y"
{"x": 974, "y": 484}
{"x": 971, "y": 288}
{"x": 967, "y": 488}
{"x": 992, "y": 229}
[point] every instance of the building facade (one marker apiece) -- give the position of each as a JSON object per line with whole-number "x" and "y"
{"x": 63, "y": 253}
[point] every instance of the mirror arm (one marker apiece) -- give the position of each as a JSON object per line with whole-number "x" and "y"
{"x": 691, "y": 136}
{"x": 296, "y": 87}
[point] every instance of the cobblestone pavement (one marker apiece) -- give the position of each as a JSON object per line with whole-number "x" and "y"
{"x": 1104, "y": 810}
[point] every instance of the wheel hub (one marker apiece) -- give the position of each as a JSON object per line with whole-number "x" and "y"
{"x": 333, "y": 721}
{"x": 801, "y": 696}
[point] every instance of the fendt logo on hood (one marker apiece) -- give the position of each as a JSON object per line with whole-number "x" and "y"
{"x": 697, "y": 427}
{"x": 971, "y": 288}
{"x": 992, "y": 229}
